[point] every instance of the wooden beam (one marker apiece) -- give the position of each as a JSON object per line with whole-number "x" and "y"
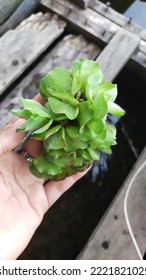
{"x": 118, "y": 18}
{"x": 111, "y": 240}
{"x": 24, "y": 45}
{"x": 70, "y": 48}
{"x": 94, "y": 22}
{"x": 117, "y": 53}
{"x": 86, "y": 21}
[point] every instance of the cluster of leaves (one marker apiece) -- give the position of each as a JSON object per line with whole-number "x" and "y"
{"x": 73, "y": 121}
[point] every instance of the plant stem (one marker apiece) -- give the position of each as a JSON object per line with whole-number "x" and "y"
{"x": 22, "y": 143}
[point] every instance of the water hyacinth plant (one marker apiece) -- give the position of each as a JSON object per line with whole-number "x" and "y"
{"x": 72, "y": 124}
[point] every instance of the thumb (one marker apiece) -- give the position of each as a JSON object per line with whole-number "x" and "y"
{"x": 9, "y": 138}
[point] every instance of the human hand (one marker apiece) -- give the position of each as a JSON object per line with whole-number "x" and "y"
{"x": 24, "y": 199}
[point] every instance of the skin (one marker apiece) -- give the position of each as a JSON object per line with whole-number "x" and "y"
{"x": 24, "y": 199}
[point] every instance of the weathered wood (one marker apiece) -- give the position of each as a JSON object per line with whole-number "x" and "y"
{"x": 111, "y": 239}
{"x": 70, "y": 48}
{"x": 86, "y": 21}
{"x": 23, "y": 47}
{"x": 118, "y": 18}
{"x": 91, "y": 23}
{"x": 117, "y": 53}
{"x": 142, "y": 47}
{"x": 25, "y": 9}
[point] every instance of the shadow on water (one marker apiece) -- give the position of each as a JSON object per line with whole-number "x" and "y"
{"x": 119, "y": 5}
{"x": 70, "y": 222}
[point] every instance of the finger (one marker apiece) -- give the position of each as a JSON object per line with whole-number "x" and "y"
{"x": 8, "y": 135}
{"x": 9, "y": 138}
{"x": 34, "y": 147}
{"x": 55, "y": 189}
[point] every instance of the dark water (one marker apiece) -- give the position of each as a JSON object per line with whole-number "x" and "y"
{"x": 70, "y": 222}
{"x": 135, "y": 9}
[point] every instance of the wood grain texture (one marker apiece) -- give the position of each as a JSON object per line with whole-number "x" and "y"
{"x": 98, "y": 22}
{"x": 117, "y": 53}
{"x": 111, "y": 240}
{"x": 20, "y": 48}
{"x": 70, "y": 48}
{"x": 118, "y": 18}
{"x": 87, "y": 20}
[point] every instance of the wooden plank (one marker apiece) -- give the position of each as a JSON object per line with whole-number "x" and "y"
{"x": 118, "y": 18}
{"x": 117, "y": 53}
{"x": 86, "y": 21}
{"x": 70, "y": 48}
{"x": 111, "y": 239}
{"x": 142, "y": 47}
{"x": 93, "y": 24}
{"x": 25, "y": 46}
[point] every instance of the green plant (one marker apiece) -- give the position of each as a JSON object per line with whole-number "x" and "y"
{"x": 73, "y": 121}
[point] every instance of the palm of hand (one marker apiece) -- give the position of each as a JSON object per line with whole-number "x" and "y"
{"x": 24, "y": 199}
{"x": 23, "y": 202}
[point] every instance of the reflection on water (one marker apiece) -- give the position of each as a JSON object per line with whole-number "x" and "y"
{"x": 131, "y": 8}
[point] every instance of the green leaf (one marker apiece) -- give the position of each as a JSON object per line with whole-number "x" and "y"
{"x": 35, "y": 122}
{"x": 35, "y": 171}
{"x": 44, "y": 166}
{"x": 55, "y": 117}
{"x": 110, "y": 139}
{"x": 90, "y": 154}
{"x": 101, "y": 106}
{"x": 58, "y": 79}
{"x": 24, "y": 114}
{"x": 57, "y": 153}
{"x": 96, "y": 125}
{"x": 55, "y": 141}
{"x": 79, "y": 162}
{"x": 74, "y": 144}
{"x": 75, "y": 66}
{"x": 108, "y": 90}
{"x": 92, "y": 83}
{"x": 95, "y": 155}
{"x": 64, "y": 96}
{"x": 85, "y": 114}
{"x": 76, "y": 83}
{"x": 43, "y": 128}
{"x": 72, "y": 131}
{"x": 35, "y": 107}
{"x": 52, "y": 130}
{"x": 88, "y": 68}
{"x": 21, "y": 127}
{"x": 67, "y": 160}
{"x": 87, "y": 134}
{"x": 96, "y": 141}
{"x": 59, "y": 107}
{"x": 85, "y": 154}
{"x": 115, "y": 109}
